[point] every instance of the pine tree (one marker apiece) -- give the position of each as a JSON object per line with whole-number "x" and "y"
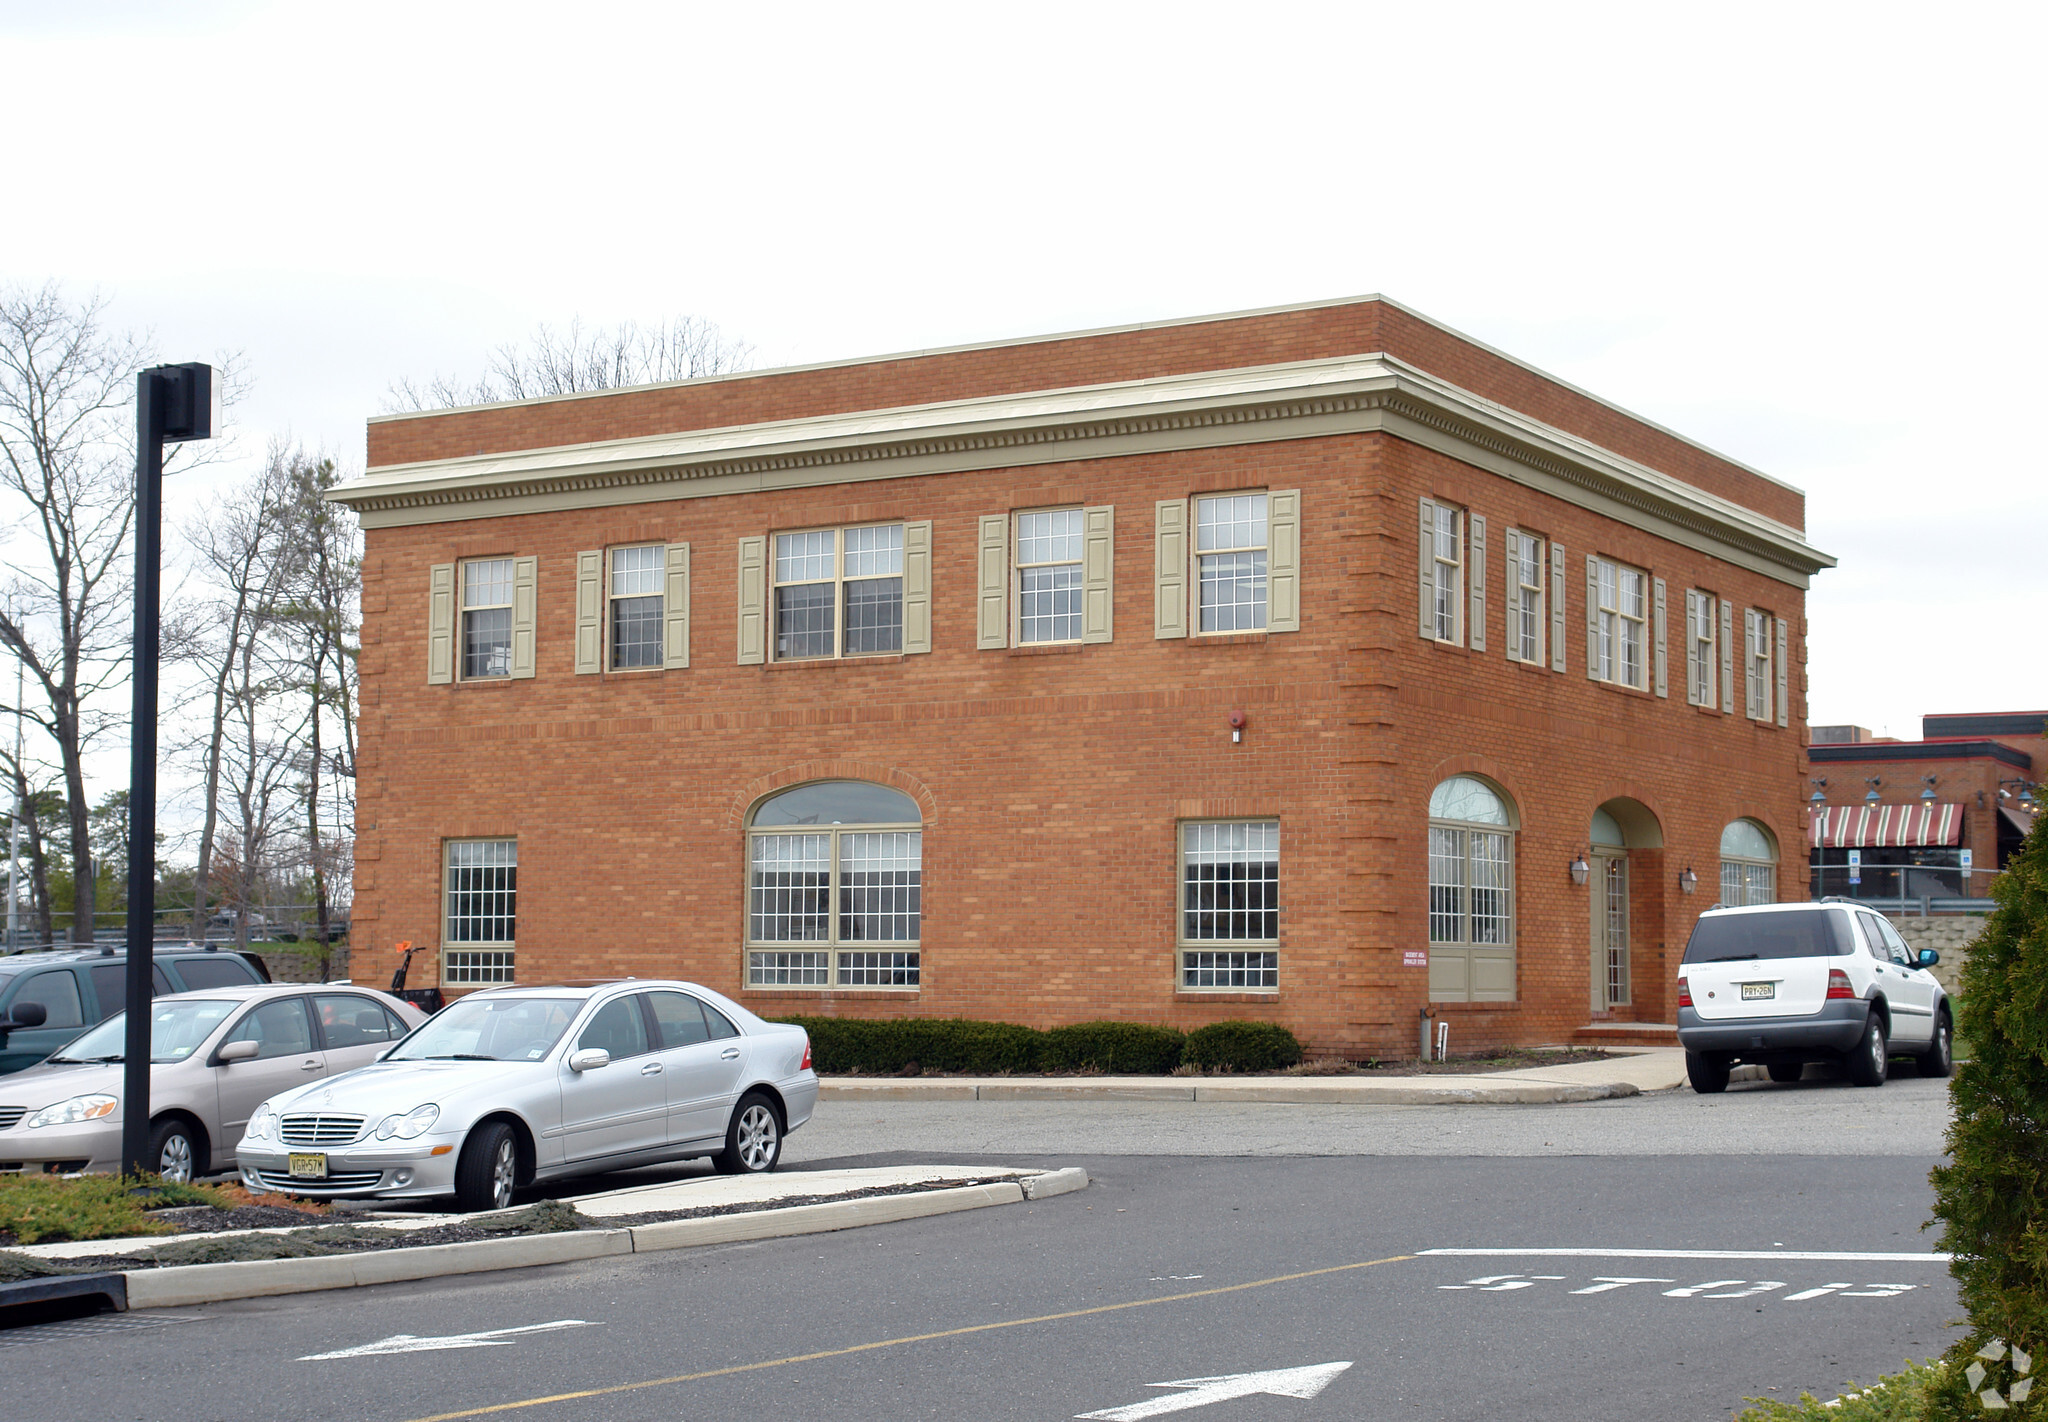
{"x": 1992, "y": 1200}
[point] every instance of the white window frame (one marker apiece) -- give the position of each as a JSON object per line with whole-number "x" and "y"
{"x": 612, "y": 597}
{"x": 1262, "y": 552}
{"x": 1447, "y": 574}
{"x": 1704, "y": 637}
{"x": 1758, "y": 667}
{"x": 464, "y": 609}
{"x": 1526, "y": 599}
{"x": 478, "y": 962}
{"x": 832, "y": 961}
{"x": 1615, "y": 623}
{"x": 1224, "y": 962}
{"x": 1018, "y": 567}
{"x": 1744, "y": 875}
{"x": 840, "y": 583}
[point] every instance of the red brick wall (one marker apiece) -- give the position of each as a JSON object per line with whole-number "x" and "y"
{"x": 1052, "y": 780}
{"x": 1353, "y": 328}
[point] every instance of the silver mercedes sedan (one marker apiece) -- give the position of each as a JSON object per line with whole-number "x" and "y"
{"x": 510, "y": 1086}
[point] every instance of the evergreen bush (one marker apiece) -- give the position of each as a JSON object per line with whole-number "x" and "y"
{"x": 1241, "y": 1046}
{"x": 1136, "y": 1047}
{"x": 1992, "y": 1199}
{"x": 894, "y": 1046}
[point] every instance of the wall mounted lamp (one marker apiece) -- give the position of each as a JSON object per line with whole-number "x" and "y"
{"x": 1580, "y": 870}
{"x": 1820, "y": 784}
{"x": 1687, "y": 880}
{"x": 1870, "y": 796}
{"x": 1929, "y": 781}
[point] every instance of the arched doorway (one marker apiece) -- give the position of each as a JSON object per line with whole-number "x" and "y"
{"x": 1623, "y": 838}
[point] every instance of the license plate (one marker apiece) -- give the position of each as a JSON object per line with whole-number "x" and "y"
{"x": 1750, "y": 992}
{"x": 309, "y": 1166}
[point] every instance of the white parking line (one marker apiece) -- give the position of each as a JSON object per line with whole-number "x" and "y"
{"x": 1805, "y": 1254}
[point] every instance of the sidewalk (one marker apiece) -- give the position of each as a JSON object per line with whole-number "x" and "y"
{"x": 1632, "y": 1071}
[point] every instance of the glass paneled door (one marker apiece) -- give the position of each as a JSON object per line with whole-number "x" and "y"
{"x": 1610, "y": 919}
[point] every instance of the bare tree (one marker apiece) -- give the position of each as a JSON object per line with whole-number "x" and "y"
{"x": 567, "y": 362}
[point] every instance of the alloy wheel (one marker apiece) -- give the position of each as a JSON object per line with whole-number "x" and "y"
{"x": 504, "y": 1174}
{"x": 174, "y": 1162}
{"x": 757, "y": 1137}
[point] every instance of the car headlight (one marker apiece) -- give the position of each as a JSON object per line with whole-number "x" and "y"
{"x": 413, "y": 1123}
{"x": 263, "y": 1126}
{"x": 78, "y": 1108}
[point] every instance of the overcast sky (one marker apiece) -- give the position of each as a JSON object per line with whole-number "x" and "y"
{"x": 1808, "y": 236}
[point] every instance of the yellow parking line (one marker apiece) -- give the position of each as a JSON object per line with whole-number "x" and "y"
{"x": 913, "y": 1338}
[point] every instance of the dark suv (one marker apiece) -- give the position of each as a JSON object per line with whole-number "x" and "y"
{"x": 79, "y": 988}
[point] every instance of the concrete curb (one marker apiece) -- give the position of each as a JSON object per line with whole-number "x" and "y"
{"x": 1266, "y": 1091}
{"x": 184, "y": 1285}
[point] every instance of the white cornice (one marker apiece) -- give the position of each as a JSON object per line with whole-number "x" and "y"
{"x": 1259, "y": 404}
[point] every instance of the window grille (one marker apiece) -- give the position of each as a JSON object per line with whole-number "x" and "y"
{"x": 1230, "y": 561}
{"x": 1525, "y": 610}
{"x": 1049, "y": 551}
{"x": 833, "y": 884}
{"x": 1619, "y": 624}
{"x": 486, "y": 618}
{"x": 1705, "y": 655}
{"x": 482, "y": 888}
{"x": 1616, "y": 880}
{"x": 469, "y": 968}
{"x": 1230, "y": 890}
{"x": 839, "y": 592}
{"x": 636, "y": 606}
{"x": 1447, "y": 564}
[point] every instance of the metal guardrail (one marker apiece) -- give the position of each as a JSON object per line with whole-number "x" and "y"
{"x": 1906, "y": 889}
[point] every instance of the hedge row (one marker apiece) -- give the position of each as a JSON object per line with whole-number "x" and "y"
{"x": 893, "y": 1047}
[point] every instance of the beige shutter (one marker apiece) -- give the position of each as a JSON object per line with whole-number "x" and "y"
{"x": 1511, "y": 594}
{"x": 1692, "y": 648}
{"x": 917, "y": 586}
{"x": 1752, "y": 706}
{"x": 1098, "y": 573}
{"x": 1475, "y": 565}
{"x": 992, "y": 584}
{"x": 1426, "y": 570}
{"x": 1592, "y": 616}
{"x": 753, "y": 625}
{"x": 590, "y": 612}
{"x": 675, "y": 608}
{"x": 1663, "y": 676}
{"x": 440, "y": 624}
{"x": 1784, "y": 701}
{"x": 1170, "y": 568}
{"x": 1557, "y": 607}
{"x": 1283, "y": 560}
{"x": 1727, "y": 657}
{"x": 525, "y": 601}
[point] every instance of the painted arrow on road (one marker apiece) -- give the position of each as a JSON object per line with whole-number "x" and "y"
{"x": 1279, "y": 1382}
{"x": 409, "y": 1343}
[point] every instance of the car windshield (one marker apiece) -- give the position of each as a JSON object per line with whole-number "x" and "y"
{"x": 176, "y": 1031}
{"x": 491, "y": 1029}
{"x": 1788, "y": 933}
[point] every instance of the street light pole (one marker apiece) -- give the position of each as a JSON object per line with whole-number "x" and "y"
{"x": 172, "y": 403}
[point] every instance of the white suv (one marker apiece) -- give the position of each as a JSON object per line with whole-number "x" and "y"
{"x": 1787, "y": 984}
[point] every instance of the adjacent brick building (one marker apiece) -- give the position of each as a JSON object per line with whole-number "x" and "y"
{"x": 1317, "y": 664}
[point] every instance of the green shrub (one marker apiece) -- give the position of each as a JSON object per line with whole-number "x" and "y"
{"x": 1241, "y": 1046}
{"x": 893, "y": 1046}
{"x": 1993, "y": 1195}
{"x": 41, "y": 1209}
{"x": 1137, "y": 1047}
{"x": 1902, "y": 1397}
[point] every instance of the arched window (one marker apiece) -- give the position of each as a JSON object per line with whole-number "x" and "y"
{"x": 1749, "y": 864}
{"x": 838, "y": 867}
{"x": 1471, "y": 893}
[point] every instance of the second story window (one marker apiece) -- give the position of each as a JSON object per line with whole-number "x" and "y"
{"x": 1049, "y": 553}
{"x": 839, "y": 592}
{"x": 1615, "y": 624}
{"x": 1230, "y": 562}
{"x": 1702, "y": 655}
{"x": 634, "y": 607}
{"x": 1525, "y": 596}
{"x": 486, "y": 618}
{"x": 1757, "y": 663}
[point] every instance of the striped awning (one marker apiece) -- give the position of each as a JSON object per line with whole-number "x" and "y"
{"x": 1899, "y": 826}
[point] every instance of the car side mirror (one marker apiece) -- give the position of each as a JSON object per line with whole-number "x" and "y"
{"x": 1928, "y": 957}
{"x": 28, "y": 1014}
{"x": 589, "y": 1059}
{"x": 236, "y": 1052}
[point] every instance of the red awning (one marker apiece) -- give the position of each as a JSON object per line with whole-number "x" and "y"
{"x": 1898, "y": 826}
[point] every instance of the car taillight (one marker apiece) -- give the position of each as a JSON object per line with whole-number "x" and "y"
{"x": 805, "y": 1064}
{"x": 1684, "y": 993}
{"x": 1838, "y": 984}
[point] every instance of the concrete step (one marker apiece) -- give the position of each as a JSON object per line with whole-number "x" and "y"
{"x": 1626, "y": 1034}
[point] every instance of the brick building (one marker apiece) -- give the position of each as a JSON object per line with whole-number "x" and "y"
{"x": 1315, "y": 664}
